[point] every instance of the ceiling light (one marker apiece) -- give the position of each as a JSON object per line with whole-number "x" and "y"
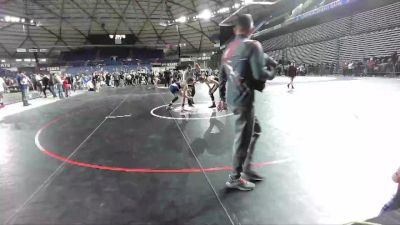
{"x": 42, "y": 60}
{"x": 236, "y": 5}
{"x": 223, "y": 10}
{"x": 23, "y": 20}
{"x": 21, "y": 49}
{"x": 247, "y": 2}
{"x": 18, "y": 60}
{"x": 181, "y": 19}
{"x": 12, "y": 19}
{"x": 27, "y": 60}
{"x": 206, "y": 14}
{"x": 3, "y": 60}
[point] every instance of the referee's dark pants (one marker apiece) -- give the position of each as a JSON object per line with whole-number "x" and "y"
{"x": 192, "y": 92}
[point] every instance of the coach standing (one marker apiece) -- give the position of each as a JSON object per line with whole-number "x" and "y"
{"x": 243, "y": 69}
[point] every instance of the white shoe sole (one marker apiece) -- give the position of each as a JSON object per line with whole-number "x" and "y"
{"x": 228, "y": 185}
{"x": 249, "y": 178}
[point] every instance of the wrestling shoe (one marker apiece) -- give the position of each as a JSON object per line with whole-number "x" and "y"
{"x": 252, "y": 176}
{"x": 240, "y": 184}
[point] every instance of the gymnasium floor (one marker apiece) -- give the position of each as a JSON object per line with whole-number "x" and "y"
{"x": 328, "y": 151}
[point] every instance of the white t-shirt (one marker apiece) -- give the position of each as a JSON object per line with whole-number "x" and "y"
{"x": 2, "y": 84}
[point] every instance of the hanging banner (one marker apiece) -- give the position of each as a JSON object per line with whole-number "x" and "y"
{"x": 5, "y": 65}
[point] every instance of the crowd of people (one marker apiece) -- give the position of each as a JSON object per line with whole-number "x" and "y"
{"x": 374, "y": 66}
{"x": 135, "y": 78}
{"x": 60, "y": 85}
{"x": 383, "y": 66}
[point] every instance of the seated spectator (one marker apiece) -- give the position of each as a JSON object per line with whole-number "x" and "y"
{"x": 394, "y": 203}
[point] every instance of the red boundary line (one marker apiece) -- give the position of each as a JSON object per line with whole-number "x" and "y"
{"x": 137, "y": 170}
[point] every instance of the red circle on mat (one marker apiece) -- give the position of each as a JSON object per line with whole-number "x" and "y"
{"x": 128, "y": 169}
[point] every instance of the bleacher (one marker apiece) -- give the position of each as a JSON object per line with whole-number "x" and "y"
{"x": 79, "y": 55}
{"x": 326, "y": 31}
{"x": 108, "y": 52}
{"x": 276, "y": 42}
{"x": 381, "y": 18}
{"x": 373, "y": 33}
{"x": 89, "y": 70}
{"x": 325, "y": 51}
{"x": 372, "y": 44}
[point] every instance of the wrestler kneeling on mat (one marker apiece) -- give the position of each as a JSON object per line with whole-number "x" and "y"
{"x": 181, "y": 89}
{"x": 213, "y": 84}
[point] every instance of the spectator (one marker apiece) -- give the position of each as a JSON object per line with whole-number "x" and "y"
{"x": 108, "y": 79}
{"x": 116, "y": 79}
{"x": 394, "y": 203}
{"x": 3, "y": 88}
{"x": 70, "y": 79}
{"x": 370, "y": 66}
{"x": 51, "y": 85}
{"x": 46, "y": 86}
{"x": 24, "y": 82}
{"x": 152, "y": 78}
{"x": 121, "y": 77}
{"x": 66, "y": 86}
{"x": 395, "y": 59}
{"x": 292, "y": 72}
{"x": 59, "y": 83}
{"x": 302, "y": 69}
{"x": 351, "y": 68}
{"x": 279, "y": 68}
{"x": 96, "y": 79}
{"x": 167, "y": 76}
{"x": 397, "y": 67}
